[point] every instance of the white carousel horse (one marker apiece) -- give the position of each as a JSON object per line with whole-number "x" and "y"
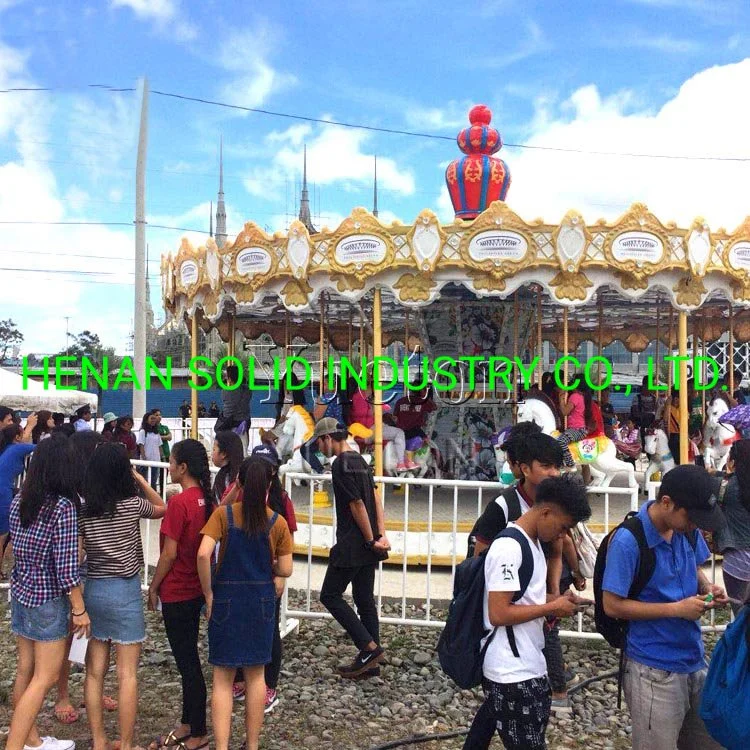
{"x": 299, "y": 426}
{"x": 717, "y": 436}
{"x": 598, "y": 452}
{"x": 659, "y": 455}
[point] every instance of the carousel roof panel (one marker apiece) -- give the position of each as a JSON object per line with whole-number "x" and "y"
{"x": 634, "y": 270}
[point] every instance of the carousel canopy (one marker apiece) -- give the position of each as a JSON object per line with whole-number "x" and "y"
{"x": 621, "y": 271}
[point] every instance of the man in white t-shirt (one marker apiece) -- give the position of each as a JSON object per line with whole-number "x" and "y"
{"x": 516, "y": 688}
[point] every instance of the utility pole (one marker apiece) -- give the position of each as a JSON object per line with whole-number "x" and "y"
{"x": 67, "y": 345}
{"x": 139, "y": 338}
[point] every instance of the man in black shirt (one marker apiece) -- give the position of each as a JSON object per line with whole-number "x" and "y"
{"x": 360, "y": 544}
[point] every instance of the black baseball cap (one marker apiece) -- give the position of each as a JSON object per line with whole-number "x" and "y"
{"x": 267, "y": 453}
{"x": 693, "y": 488}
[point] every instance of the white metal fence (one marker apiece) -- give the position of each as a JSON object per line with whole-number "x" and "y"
{"x": 417, "y": 583}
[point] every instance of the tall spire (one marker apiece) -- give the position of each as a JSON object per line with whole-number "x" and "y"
{"x": 304, "y": 203}
{"x": 211, "y": 220}
{"x": 375, "y": 190}
{"x": 221, "y": 213}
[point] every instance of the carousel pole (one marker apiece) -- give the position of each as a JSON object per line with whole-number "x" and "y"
{"x": 682, "y": 336}
{"x": 601, "y": 335}
{"x": 406, "y": 333}
{"x": 321, "y": 345}
{"x": 377, "y": 345}
{"x": 194, "y": 391}
{"x": 514, "y": 408}
{"x": 230, "y": 342}
{"x": 730, "y": 359}
{"x": 565, "y": 354}
{"x": 703, "y": 351}
{"x": 361, "y": 332}
{"x": 658, "y": 336}
{"x": 670, "y": 373}
{"x": 539, "y": 340}
{"x": 351, "y": 322}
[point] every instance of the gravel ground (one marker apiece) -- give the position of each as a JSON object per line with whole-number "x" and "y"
{"x": 319, "y": 710}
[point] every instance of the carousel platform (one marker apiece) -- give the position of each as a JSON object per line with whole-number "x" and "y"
{"x": 425, "y": 531}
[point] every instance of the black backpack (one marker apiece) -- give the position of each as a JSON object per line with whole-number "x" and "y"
{"x": 510, "y": 495}
{"x": 460, "y": 648}
{"x": 615, "y": 630}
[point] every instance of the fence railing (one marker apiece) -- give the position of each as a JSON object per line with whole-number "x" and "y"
{"x": 416, "y": 586}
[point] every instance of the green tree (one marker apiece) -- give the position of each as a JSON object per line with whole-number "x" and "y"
{"x": 88, "y": 345}
{"x": 9, "y": 336}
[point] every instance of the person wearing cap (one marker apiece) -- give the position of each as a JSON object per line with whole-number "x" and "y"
{"x": 360, "y": 544}
{"x": 108, "y": 430}
{"x": 664, "y": 656}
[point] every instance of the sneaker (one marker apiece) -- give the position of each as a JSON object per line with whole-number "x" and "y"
{"x": 402, "y": 467}
{"x": 364, "y": 662}
{"x": 571, "y": 678}
{"x": 238, "y": 691}
{"x": 52, "y": 743}
{"x": 272, "y": 700}
{"x": 411, "y": 465}
{"x": 561, "y": 706}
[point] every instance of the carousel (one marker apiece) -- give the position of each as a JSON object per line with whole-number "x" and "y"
{"x": 488, "y": 284}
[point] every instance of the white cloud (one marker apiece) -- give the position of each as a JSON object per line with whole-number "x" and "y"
{"x": 548, "y": 183}
{"x": 335, "y": 155}
{"x": 29, "y": 193}
{"x": 452, "y": 116}
{"x": 245, "y": 53}
{"x": 166, "y": 14}
{"x": 535, "y": 43}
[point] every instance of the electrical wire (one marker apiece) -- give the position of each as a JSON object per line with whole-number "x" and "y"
{"x": 389, "y": 131}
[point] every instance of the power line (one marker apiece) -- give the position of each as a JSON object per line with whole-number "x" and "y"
{"x": 395, "y": 131}
{"x": 101, "y": 224}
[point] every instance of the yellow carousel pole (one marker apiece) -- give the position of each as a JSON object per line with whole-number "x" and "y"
{"x": 321, "y": 345}
{"x": 194, "y": 391}
{"x": 514, "y": 409}
{"x": 377, "y": 345}
{"x": 703, "y": 351}
{"x": 539, "y": 340}
{"x": 670, "y": 373}
{"x": 601, "y": 335}
{"x": 362, "y": 352}
{"x": 682, "y": 336}
{"x": 730, "y": 358}
{"x": 565, "y": 354}
{"x": 230, "y": 343}
{"x": 658, "y": 336}
{"x": 351, "y": 323}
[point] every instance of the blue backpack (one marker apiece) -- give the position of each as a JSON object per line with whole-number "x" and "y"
{"x": 460, "y": 648}
{"x": 725, "y": 707}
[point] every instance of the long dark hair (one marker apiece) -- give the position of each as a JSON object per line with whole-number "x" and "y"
{"x": 8, "y": 435}
{"x": 256, "y": 489}
{"x": 740, "y": 454}
{"x": 121, "y": 421}
{"x": 192, "y": 453}
{"x": 145, "y": 426}
{"x": 41, "y": 428}
{"x": 83, "y": 444}
{"x": 275, "y": 492}
{"x": 108, "y": 480}
{"x": 230, "y": 444}
{"x": 50, "y": 476}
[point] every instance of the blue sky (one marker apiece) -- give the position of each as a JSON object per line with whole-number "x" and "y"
{"x": 645, "y": 76}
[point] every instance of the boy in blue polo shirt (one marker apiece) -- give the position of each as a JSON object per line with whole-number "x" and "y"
{"x": 664, "y": 657}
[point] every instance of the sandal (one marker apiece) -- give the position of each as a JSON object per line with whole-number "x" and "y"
{"x": 67, "y": 715}
{"x": 183, "y": 746}
{"x": 168, "y": 740}
{"x": 108, "y": 703}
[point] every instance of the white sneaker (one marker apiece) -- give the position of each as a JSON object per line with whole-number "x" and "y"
{"x": 52, "y": 743}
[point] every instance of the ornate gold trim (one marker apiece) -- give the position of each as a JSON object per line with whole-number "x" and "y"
{"x": 414, "y": 288}
{"x": 689, "y": 291}
{"x": 426, "y": 230}
{"x": 360, "y": 223}
{"x": 571, "y": 286}
{"x": 296, "y": 293}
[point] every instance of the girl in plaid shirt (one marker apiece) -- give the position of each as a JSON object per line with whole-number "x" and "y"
{"x": 45, "y": 586}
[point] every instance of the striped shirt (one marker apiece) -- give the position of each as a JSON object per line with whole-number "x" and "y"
{"x": 46, "y": 553}
{"x": 113, "y": 544}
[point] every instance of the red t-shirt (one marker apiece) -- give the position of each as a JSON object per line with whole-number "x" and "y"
{"x": 596, "y": 413}
{"x": 185, "y": 517}
{"x": 412, "y": 415}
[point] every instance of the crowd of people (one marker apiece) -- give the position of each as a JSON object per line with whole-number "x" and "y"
{"x": 226, "y": 544}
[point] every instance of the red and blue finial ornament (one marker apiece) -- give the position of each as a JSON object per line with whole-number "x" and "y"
{"x": 477, "y": 179}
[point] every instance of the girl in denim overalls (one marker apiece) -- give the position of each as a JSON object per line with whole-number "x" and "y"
{"x": 255, "y": 547}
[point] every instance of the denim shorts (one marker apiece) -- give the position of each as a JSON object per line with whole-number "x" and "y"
{"x": 115, "y": 607}
{"x": 48, "y": 622}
